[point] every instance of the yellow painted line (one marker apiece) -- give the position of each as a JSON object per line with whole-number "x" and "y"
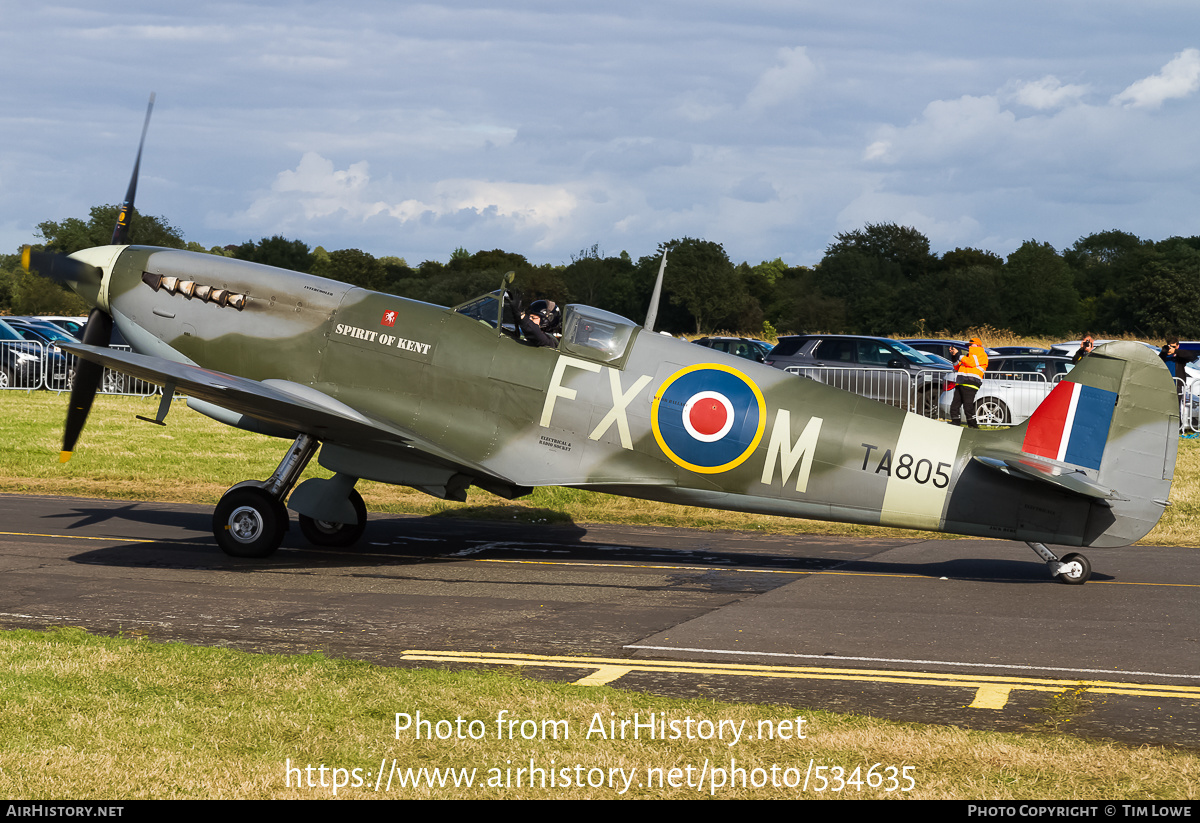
{"x": 79, "y": 537}
{"x": 991, "y": 697}
{"x": 991, "y": 691}
{"x": 604, "y": 675}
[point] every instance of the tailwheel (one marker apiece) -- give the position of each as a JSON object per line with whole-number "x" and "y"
{"x": 249, "y": 522}
{"x": 328, "y": 534}
{"x": 1074, "y": 570}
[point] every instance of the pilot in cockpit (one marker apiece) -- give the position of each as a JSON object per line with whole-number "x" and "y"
{"x": 540, "y": 322}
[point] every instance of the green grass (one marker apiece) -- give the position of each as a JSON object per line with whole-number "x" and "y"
{"x": 116, "y": 718}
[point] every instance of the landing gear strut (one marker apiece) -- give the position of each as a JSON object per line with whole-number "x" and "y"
{"x": 1073, "y": 569}
{"x": 250, "y": 520}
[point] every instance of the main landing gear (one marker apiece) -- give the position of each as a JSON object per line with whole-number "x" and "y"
{"x": 1072, "y": 569}
{"x": 331, "y": 534}
{"x": 250, "y": 520}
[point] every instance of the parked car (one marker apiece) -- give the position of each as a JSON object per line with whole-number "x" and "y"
{"x": 1071, "y": 346}
{"x": 20, "y": 360}
{"x": 59, "y": 369}
{"x": 942, "y": 347}
{"x": 889, "y": 371}
{"x": 746, "y": 347}
{"x": 1005, "y": 351}
{"x": 1013, "y": 387}
{"x": 71, "y": 325}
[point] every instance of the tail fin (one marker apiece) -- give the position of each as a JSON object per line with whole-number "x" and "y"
{"x": 1109, "y": 432}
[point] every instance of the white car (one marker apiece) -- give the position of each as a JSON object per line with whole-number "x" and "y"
{"x": 1013, "y": 387}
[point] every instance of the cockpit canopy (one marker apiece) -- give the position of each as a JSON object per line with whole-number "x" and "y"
{"x": 587, "y": 332}
{"x": 596, "y": 334}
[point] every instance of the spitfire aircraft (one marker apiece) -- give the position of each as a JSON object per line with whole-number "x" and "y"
{"x": 441, "y": 399}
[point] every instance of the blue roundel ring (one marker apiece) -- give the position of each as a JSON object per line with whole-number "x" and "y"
{"x": 708, "y": 418}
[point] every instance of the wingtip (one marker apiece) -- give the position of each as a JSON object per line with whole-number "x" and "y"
{"x": 63, "y": 457}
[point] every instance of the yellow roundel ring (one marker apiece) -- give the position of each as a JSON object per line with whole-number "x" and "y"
{"x": 708, "y": 418}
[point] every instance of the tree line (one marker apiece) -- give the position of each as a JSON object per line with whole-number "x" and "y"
{"x": 881, "y": 279}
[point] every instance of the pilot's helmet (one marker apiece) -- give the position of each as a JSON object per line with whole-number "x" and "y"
{"x": 548, "y": 311}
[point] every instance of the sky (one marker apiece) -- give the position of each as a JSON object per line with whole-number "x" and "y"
{"x": 544, "y": 127}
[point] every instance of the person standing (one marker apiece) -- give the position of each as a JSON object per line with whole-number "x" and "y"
{"x": 1086, "y": 345}
{"x": 970, "y": 367}
{"x": 1177, "y": 360}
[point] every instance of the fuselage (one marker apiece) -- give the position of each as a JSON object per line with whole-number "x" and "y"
{"x": 615, "y": 408}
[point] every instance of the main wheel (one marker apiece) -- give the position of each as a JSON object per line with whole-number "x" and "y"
{"x": 929, "y": 404}
{"x": 328, "y": 534}
{"x": 114, "y": 382}
{"x": 249, "y": 522}
{"x": 1075, "y": 570}
{"x": 991, "y": 411}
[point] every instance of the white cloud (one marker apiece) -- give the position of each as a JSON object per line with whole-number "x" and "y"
{"x": 946, "y": 128}
{"x": 784, "y": 81}
{"x": 1178, "y": 78}
{"x": 316, "y": 190}
{"x": 524, "y": 202}
{"x": 330, "y": 191}
{"x": 1048, "y": 93}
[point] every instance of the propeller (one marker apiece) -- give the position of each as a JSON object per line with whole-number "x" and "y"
{"x": 98, "y": 331}
{"x": 120, "y": 235}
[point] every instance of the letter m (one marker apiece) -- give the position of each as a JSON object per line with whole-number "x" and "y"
{"x": 788, "y": 454}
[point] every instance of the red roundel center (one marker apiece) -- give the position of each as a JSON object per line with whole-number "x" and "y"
{"x": 708, "y": 416}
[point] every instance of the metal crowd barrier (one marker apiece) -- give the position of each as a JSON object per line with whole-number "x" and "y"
{"x": 32, "y": 366}
{"x": 1189, "y": 405}
{"x": 21, "y": 365}
{"x": 920, "y": 392}
{"x": 1012, "y": 403}
{"x": 916, "y": 392}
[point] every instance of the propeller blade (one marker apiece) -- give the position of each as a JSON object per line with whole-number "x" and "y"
{"x": 59, "y": 267}
{"x": 120, "y": 235}
{"x": 97, "y": 332}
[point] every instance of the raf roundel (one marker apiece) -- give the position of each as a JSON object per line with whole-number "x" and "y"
{"x": 708, "y": 418}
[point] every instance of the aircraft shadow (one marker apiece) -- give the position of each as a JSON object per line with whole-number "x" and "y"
{"x": 393, "y": 540}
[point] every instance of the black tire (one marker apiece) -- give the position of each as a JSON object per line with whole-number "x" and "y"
{"x": 929, "y": 404}
{"x": 327, "y": 534}
{"x": 249, "y": 522}
{"x": 1076, "y": 570}
{"x": 991, "y": 411}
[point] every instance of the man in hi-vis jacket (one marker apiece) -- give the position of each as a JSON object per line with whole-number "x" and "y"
{"x": 970, "y": 368}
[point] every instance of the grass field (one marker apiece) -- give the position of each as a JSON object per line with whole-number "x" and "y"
{"x": 116, "y": 718}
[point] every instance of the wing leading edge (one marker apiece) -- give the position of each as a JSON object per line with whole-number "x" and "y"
{"x": 290, "y": 408}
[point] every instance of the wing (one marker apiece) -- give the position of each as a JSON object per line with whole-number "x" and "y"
{"x": 285, "y": 408}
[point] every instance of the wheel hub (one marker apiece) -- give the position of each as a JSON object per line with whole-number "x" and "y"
{"x": 245, "y": 524}
{"x": 1072, "y": 569}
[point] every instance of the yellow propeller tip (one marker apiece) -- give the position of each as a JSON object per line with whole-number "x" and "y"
{"x": 63, "y": 457}
{"x": 25, "y": 257}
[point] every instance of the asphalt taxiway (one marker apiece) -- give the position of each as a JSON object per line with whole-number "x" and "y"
{"x": 966, "y": 632}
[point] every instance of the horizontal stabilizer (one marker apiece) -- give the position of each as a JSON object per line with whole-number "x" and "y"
{"x": 1062, "y": 475}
